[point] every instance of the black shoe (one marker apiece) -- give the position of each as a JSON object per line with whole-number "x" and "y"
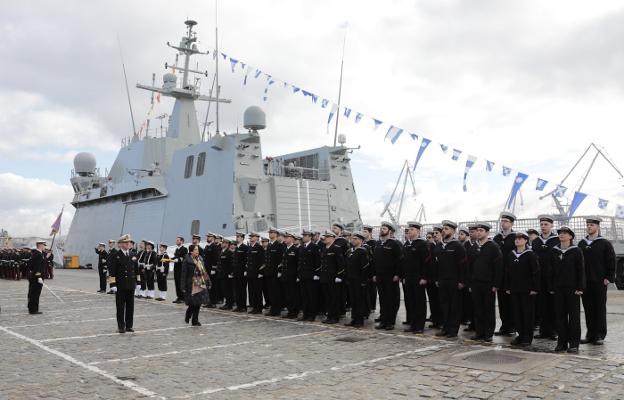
{"x": 358, "y": 325}
{"x": 225, "y": 307}
{"x": 573, "y": 350}
{"x": 310, "y": 319}
{"x": 187, "y": 318}
{"x": 380, "y": 326}
{"x": 101, "y": 291}
{"x": 542, "y": 336}
{"x": 587, "y": 340}
{"x": 389, "y": 328}
{"x": 177, "y": 301}
{"x": 598, "y": 342}
{"x": 110, "y": 292}
{"x": 36, "y": 312}
{"x": 434, "y": 326}
{"x": 408, "y": 330}
{"x": 451, "y": 335}
{"x": 524, "y": 344}
{"x": 160, "y": 299}
{"x": 377, "y": 319}
{"x": 255, "y": 312}
{"x": 121, "y": 330}
{"x": 561, "y": 348}
{"x": 330, "y": 321}
{"x": 441, "y": 333}
{"x": 488, "y": 339}
{"x": 129, "y": 330}
{"x": 477, "y": 337}
{"x": 196, "y": 323}
{"x": 405, "y": 323}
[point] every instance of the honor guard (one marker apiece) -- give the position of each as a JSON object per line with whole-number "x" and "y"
{"x": 415, "y": 271}
{"x": 467, "y": 306}
{"x": 309, "y": 276}
{"x": 255, "y": 265}
{"x": 522, "y": 282}
{"x": 369, "y": 244}
{"x": 162, "y": 271}
{"x": 599, "y": 257}
{"x": 112, "y": 250}
{"x": 240, "y": 273}
{"x": 505, "y": 240}
{"x": 225, "y": 270}
{"x": 148, "y": 261}
{"x": 388, "y": 258}
{"x": 485, "y": 280}
{"x": 36, "y": 267}
{"x": 357, "y": 279}
{"x": 435, "y": 313}
{"x": 332, "y": 275}
{"x": 274, "y": 254}
{"x": 100, "y": 250}
{"x": 141, "y": 289}
{"x": 124, "y": 271}
{"x": 210, "y": 254}
{"x": 179, "y": 255}
{"x": 542, "y": 246}
{"x": 287, "y": 274}
{"x": 450, "y": 278}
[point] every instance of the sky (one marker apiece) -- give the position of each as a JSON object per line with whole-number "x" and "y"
{"x": 529, "y": 85}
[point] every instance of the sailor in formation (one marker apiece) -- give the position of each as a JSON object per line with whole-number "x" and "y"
{"x": 100, "y": 250}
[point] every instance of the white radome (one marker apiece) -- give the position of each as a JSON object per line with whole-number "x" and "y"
{"x": 254, "y": 118}
{"x": 84, "y": 163}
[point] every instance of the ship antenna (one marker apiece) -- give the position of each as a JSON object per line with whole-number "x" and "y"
{"x": 217, "y": 66}
{"x": 344, "y": 41}
{"x": 123, "y": 66}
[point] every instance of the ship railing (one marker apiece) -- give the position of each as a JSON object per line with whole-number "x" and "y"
{"x": 276, "y": 168}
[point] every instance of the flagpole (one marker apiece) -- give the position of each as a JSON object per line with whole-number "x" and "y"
{"x": 344, "y": 41}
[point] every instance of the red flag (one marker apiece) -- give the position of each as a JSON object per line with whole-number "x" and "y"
{"x": 158, "y": 97}
{"x": 56, "y": 226}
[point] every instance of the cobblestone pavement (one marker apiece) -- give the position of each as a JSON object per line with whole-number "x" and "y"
{"x": 72, "y": 351}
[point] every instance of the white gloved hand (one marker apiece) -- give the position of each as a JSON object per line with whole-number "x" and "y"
{"x": 259, "y": 275}
{"x": 230, "y": 276}
{"x": 338, "y": 280}
{"x": 316, "y": 277}
{"x": 279, "y": 274}
{"x": 40, "y": 281}
{"x": 297, "y": 279}
{"x": 213, "y": 272}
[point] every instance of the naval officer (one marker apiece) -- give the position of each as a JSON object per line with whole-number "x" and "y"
{"x": 124, "y": 271}
{"x": 36, "y": 266}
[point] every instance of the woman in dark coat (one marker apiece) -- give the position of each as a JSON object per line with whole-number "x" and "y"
{"x": 195, "y": 283}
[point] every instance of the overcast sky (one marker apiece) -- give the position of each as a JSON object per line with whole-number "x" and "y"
{"x": 526, "y": 84}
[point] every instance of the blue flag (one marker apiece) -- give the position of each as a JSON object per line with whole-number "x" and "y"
{"x": 456, "y": 154}
{"x": 469, "y": 163}
{"x": 423, "y": 146}
{"x": 506, "y": 171}
{"x": 489, "y": 165}
{"x": 576, "y": 202}
{"x": 377, "y": 123}
{"x": 602, "y": 203}
{"x": 444, "y": 147}
{"x": 560, "y": 191}
{"x": 541, "y": 184}
{"x": 393, "y": 133}
{"x": 520, "y": 178}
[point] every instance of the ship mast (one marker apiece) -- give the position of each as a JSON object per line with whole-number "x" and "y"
{"x": 217, "y": 67}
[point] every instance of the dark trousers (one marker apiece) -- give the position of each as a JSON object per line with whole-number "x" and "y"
{"x": 34, "y": 291}
{"x": 240, "y": 291}
{"x": 310, "y": 297}
{"x": 415, "y": 303}
{"x": 192, "y": 312}
{"x": 524, "y": 313}
{"x": 142, "y": 280}
{"x": 149, "y": 279}
{"x": 407, "y": 304}
{"x": 546, "y": 306}
{"x": 292, "y": 297}
{"x": 265, "y": 292}
{"x": 595, "y": 306}
{"x": 332, "y": 297}
{"x": 484, "y": 311}
{"x": 467, "y": 309}
{"x": 102, "y": 276}
{"x": 450, "y": 306}
{"x": 125, "y": 308}
{"x": 505, "y": 311}
{"x": 177, "y": 278}
{"x": 357, "y": 294}
{"x": 372, "y": 296}
{"x": 255, "y": 293}
{"x": 435, "y": 314}
{"x": 215, "y": 293}
{"x": 274, "y": 291}
{"x": 568, "y": 317}
{"x": 389, "y": 300}
{"x": 161, "y": 279}
{"x": 227, "y": 288}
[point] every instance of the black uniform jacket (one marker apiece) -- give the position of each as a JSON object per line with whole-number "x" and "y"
{"x": 522, "y": 272}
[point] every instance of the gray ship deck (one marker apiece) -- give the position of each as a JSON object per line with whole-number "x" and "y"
{"x": 72, "y": 351}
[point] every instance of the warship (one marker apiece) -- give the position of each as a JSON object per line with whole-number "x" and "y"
{"x": 182, "y": 183}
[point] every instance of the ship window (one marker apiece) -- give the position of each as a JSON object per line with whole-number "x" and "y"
{"x": 201, "y": 162}
{"x": 195, "y": 227}
{"x": 188, "y": 170}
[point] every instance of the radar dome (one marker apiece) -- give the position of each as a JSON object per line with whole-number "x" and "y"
{"x": 254, "y": 118}
{"x": 169, "y": 81}
{"x": 84, "y": 164}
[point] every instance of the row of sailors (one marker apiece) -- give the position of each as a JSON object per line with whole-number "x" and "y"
{"x": 14, "y": 263}
{"x": 537, "y": 282}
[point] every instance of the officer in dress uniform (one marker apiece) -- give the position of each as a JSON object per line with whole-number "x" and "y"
{"x": 112, "y": 250}
{"x": 599, "y": 257}
{"x": 240, "y": 273}
{"x": 100, "y": 250}
{"x": 225, "y": 271}
{"x": 415, "y": 271}
{"x": 357, "y": 278}
{"x": 124, "y": 270}
{"x": 162, "y": 270}
{"x": 388, "y": 258}
{"x": 274, "y": 254}
{"x": 522, "y": 283}
{"x": 369, "y": 245}
{"x": 450, "y": 278}
{"x": 141, "y": 289}
{"x": 467, "y": 237}
{"x": 36, "y": 267}
{"x": 148, "y": 260}
{"x": 485, "y": 279}
{"x": 505, "y": 240}
{"x": 179, "y": 255}
{"x": 255, "y": 265}
{"x": 308, "y": 274}
{"x": 287, "y": 273}
{"x": 542, "y": 246}
{"x": 435, "y": 313}
{"x": 211, "y": 257}
{"x": 332, "y": 275}
{"x": 568, "y": 284}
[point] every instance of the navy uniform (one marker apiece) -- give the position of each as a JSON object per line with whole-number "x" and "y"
{"x": 255, "y": 265}
{"x": 357, "y": 278}
{"x": 179, "y": 256}
{"x": 415, "y": 271}
{"x": 308, "y": 274}
{"x": 274, "y": 254}
{"x": 287, "y": 273}
{"x": 599, "y": 257}
{"x": 388, "y": 258}
{"x": 505, "y": 240}
{"x": 545, "y": 310}
{"x": 467, "y": 317}
{"x": 162, "y": 270}
{"x": 147, "y": 262}
{"x": 450, "y": 278}
{"x": 112, "y": 250}
{"x": 568, "y": 283}
{"x": 36, "y": 267}
{"x": 433, "y": 296}
{"x": 141, "y": 289}
{"x": 485, "y": 279}
{"x": 225, "y": 271}
{"x": 239, "y": 272}
{"x": 124, "y": 270}
{"x": 522, "y": 281}
{"x": 211, "y": 254}
{"x": 102, "y": 269}
{"x": 372, "y": 286}
{"x": 332, "y": 274}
